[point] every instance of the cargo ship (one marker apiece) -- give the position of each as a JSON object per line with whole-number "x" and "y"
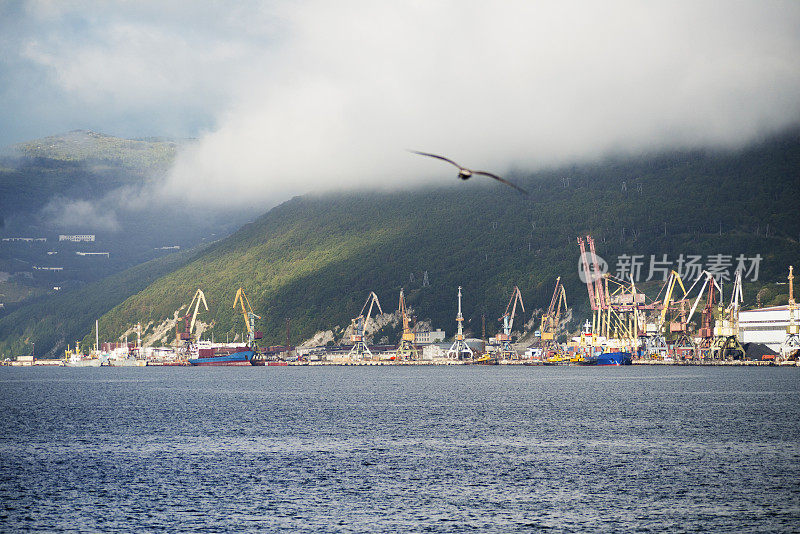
{"x": 223, "y": 354}
{"x": 614, "y": 358}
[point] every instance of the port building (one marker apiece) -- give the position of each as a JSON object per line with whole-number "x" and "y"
{"x": 432, "y": 336}
{"x": 764, "y": 325}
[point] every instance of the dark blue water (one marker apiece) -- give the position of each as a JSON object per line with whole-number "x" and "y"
{"x": 388, "y": 449}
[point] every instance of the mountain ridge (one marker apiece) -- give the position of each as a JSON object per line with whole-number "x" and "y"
{"x": 314, "y": 258}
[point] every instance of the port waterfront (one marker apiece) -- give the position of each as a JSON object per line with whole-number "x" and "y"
{"x": 344, "y": 362}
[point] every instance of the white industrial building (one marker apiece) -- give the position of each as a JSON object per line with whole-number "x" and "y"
{"x": 765, "y": 325}
{"x": 433, "y": 336}
{"x": 77, "y": 238}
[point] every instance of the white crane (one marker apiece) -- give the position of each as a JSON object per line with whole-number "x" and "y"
{"x": 459, "y": 348}
{"x": 504, "y": 337}
{"x": 188, "y": 324}
{"x": 359, "y": 325}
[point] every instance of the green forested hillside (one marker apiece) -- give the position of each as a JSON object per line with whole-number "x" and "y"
{"x": 314, "y": 258}
{"x": 89, "y": 183}
{"x": 84, "y": 145}
{"x": 55, "y": 321}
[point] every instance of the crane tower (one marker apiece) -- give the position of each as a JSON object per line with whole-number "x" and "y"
{"x": 504, "y": 337}
{"x": 551, "y": 320}
{"x": 248, "y": 315}
{"x": 726, "y": 328}
{"x": 791, "y": 344}
{"x": 359, "y": 325}
{"x": 406, "y": 349}
{"x": 459, "y": 349}
{"x": 190, "y": 319}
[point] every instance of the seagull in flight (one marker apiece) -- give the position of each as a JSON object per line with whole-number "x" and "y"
{"x": 465, "y": 173}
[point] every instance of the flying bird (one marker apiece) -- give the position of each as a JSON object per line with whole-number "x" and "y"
{"x": 465, "y": 173}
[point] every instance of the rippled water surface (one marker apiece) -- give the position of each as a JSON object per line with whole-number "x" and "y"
{"x": 388, "y": 449}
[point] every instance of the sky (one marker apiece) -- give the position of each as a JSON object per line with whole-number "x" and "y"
{"x": 290, "y": 97}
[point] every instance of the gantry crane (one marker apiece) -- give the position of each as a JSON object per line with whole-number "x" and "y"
{"x": 726, "y": 327}
{"x": 504, "y": 337}
{"x": 188, "y": 324}
{"x": 551, "y": 321}
{"x": 406, "y": 350}
{"x": 248, "y": 315}
{"x": 655, "y": 342}
{"x": 459, "y": 349}
{"x": 706, "y": 332}
{"x": 682, "y": 345}
{"x": 791, "y": 344}
{"x": 359, "y": 326}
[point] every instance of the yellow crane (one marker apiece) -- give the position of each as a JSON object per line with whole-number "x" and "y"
{"x": 188, "y": 325}
{"x": 247, "y": 314}
{"x": 504, "y": 337}
{"x": 406, "y": 349}
{"x": 674, "y": 278}
{"x": 551, "y": 320}
{"x": 791, "y": 344}
{"x": 655, "y": 338}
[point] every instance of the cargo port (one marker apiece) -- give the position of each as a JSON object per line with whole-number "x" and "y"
{"x": 698, "y": 325}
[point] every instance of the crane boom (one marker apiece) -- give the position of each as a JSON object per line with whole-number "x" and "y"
{"x": 247, "y": 312}
{"x": 360, "y": 326}
{"x": 587, "y": 273}
{"x": 372, "y": 299}
{"x": 508, "y": 319}
{"x": 199, "y": 298}
{"x": 552, "y": 318}
{"x": 598, "y": 279}
{"x": 708, "y": 276}
{"x": 674, "y": 278}
{"x": 407, "y": 349}
{"x": 401, "y": 307}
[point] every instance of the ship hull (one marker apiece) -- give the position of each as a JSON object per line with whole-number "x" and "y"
{"x": 84, "y": 363}
{"x": 237, "y": 358}
{"x": 614, "y": 358}
{"x": 127, "y": 363}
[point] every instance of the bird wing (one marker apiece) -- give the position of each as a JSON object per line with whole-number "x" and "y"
{"x": 490, "y": 175}
{"x": 437, "y": 157}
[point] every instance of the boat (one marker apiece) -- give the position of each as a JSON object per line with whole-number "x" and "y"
{"x": 126, "y": 362}
{"x": 486, "y": 359}
{"x": 614, "y": 358}
{"x": 76, "y": 359}
{"x": 262, "y": 362}
{"x": 223, "y": 354}
{"x": 124, "y": 356}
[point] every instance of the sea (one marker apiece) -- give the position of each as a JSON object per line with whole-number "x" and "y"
{"x": 400, "y": 449}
